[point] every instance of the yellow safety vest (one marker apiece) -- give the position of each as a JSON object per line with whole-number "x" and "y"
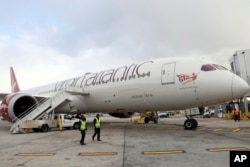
{"x": 97, "y": 123}
{"x": 83, "y": 125}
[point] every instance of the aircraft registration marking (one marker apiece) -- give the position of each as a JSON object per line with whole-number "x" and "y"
{"x": 142, "y": 95}
{"x": 163, "y": 152}
{"x": 227, "y": 149}
{"x": 35, "y": 154}
{"x": 97, "y": 153}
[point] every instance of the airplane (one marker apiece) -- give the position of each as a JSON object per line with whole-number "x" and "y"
{"x": 154, "y": 85}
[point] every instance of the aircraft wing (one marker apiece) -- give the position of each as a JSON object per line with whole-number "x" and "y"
{"x": 3, "y": 95}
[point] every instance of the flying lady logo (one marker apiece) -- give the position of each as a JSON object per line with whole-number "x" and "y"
{"x": 187, "y": 78}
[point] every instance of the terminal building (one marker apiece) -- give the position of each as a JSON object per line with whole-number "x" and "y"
{"x": 240, "y": 65}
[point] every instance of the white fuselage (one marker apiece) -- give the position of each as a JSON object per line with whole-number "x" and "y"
{"x": 157, "y": 84}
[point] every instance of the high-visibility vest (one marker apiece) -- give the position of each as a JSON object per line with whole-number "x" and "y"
{"x": 97, "y": 123}
{"x": 83, "y": 125}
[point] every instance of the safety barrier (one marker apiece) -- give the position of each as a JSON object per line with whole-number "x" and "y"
{"x": 243, "y": 116}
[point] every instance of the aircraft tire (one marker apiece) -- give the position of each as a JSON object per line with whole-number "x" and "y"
{"x": 76, "y": 126}
{"x": 155, "y": 121}
{"x": 45, "y": 128}
{"x": 195, "y": 123}
{"x": 190, "y": 124}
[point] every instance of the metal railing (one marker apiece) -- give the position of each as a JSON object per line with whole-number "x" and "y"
{"x": 35, "y": 111}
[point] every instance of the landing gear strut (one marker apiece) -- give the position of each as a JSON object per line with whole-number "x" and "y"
{"x": 190, "y": 123}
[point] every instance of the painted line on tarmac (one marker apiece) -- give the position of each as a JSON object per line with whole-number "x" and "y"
{"x": 236, "y": 130}
{"x": 97, "y": 153}
{"x": 35, "y": 154}
{"x": 163, "y": 152}
{"x": 216, "y": 130}
{"x": 227, "y": 149}
{"x": 172, "y": 129}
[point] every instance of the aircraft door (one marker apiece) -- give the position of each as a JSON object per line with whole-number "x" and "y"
{"x": 168, "y": 73}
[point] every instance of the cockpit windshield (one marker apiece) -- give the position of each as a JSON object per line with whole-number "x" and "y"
{"x": 212, "y": 67}
{"x": 219, "y": 67}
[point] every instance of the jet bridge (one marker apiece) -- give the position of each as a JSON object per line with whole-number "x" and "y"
{"x": 239, "y": 63}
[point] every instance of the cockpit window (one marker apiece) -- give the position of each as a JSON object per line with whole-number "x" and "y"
{"x": 207, "y": 67}
{"x": 212, "y": 67}
{"x": 219, "y": 67}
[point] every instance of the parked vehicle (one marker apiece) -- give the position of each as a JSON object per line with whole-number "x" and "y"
{"x": 165, "y": 114}
{"x": 59, "y": 121}
{"x": 147, "y": 117}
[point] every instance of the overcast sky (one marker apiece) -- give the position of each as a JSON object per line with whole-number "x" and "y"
{"x": 51, "y": 40}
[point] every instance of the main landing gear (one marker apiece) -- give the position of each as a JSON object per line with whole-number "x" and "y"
{"x": 190, "y": 123}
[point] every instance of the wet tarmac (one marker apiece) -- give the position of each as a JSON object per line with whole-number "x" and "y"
{"x": 125, "y": 144}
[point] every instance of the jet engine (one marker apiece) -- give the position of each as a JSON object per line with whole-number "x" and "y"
{"x": 122, "y": 114}
{"x": 15, "y": 106}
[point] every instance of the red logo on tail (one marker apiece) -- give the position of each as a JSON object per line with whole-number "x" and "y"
{"x": 14, "y": 84}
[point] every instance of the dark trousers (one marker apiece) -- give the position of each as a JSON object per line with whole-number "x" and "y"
{"x": 236, "y": 117}
{"x": 83, "y": 136}
{"x": 97, "y": 132}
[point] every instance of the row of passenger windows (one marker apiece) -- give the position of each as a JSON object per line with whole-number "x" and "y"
{"x": 212, "y": 67}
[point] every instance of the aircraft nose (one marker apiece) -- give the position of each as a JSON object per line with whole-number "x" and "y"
{"x": 239, "y": 87}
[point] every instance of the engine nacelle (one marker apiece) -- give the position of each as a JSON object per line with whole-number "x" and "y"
{"x": 122, "y": 114}
{"x": 15, "y": 105}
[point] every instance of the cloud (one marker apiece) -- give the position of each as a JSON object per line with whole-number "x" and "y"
{"x": 47, "y": 41}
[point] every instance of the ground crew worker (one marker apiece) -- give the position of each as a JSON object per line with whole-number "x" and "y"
{"x": 97, "y": 127}
{"x": 83, "y": 128}
{"x": 236, "y": 115}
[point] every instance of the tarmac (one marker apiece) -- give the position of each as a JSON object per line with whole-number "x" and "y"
{"x": 125, "y": 144}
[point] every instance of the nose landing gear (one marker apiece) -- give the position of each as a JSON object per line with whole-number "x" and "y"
{"x": 190, "y": 123}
